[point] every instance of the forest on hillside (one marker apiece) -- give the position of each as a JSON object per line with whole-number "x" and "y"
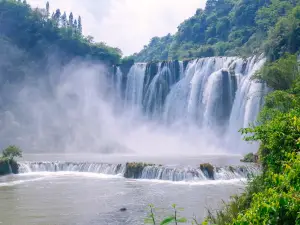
{"x": 230, "y": 28}
{"x": 30, "y": 36}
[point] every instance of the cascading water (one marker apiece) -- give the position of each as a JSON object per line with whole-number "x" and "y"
{"x": 134, "y": 87}
{"x": 153, "y": 172}
{"x": 216, "y": 95}
{"x": 105, "y": 168}
{"x": 182, "y": 108}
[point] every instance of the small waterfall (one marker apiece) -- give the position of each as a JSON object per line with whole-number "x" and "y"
{"x": 176, "y": 106}
{"x": 153, "y": 172}
{"x": 248, "y": 97}
{"x": 134, "y": 87}
{"x": 9, "y": 168}
{"x": 104, "y": 168}
{"x": 196, "y": 174}
{"x": 119, "y": 82}
{"x": 172, "y": 174}
{"x": 168, "y": 73}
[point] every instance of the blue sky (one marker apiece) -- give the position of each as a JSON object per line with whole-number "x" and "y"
{"x": 127, "y": 24}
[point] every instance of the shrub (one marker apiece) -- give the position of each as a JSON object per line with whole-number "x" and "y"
{"x": 250, "y": 158}
{"x": 12, "y": 152}
{"x": 280, "y": 74}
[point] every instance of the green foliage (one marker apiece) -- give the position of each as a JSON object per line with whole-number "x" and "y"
{"x": 280, "y": 74}
{"x": 285, "y": 36}
{"x": 8, "y": 164}
{"x": 230, "y": 27}
{"x": 237, "y": 205}
{"x": 279, "y": 136}
{"x": 150, "y": 219}
{"x": 173, "y": 219}
{"x": 249, "y": 158}
{"x": 37, "y": 33}
{"x": 274, "y": 196}
{"x": 11, "y": 152}
{"x": 279, "y": 202}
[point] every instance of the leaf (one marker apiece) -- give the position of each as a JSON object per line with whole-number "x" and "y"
{"x": 167, "y": 220}
{"x": 182, "y": 220}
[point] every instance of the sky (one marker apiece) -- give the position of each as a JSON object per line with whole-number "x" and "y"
{"x": 126, "y": 24}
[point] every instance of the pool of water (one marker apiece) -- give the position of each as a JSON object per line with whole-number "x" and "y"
{"x": 66, "y": 198}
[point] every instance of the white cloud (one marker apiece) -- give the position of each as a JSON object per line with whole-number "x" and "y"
{"x": 127, "y": 24}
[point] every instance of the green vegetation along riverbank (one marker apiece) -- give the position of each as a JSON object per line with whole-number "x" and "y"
{"x": 273, "y": 197}
{"x": 8, "y": 164}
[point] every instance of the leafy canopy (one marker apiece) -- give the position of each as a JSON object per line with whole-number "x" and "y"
{"x": 12, "y": 152}
{"x": 231, "y": 27}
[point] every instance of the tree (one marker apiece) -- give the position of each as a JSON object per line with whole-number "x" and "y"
{"x": 71, "y": 18}
{"x": 30, "y": 31}
{"x": 280, "y": 74}
{"x": 79, "y": 25}
{"x": 210, "y": 5}
{"x": 244, "y": 25}
{"x": 48, "y": 9}
{"x": 12, "y": 152}
{"x": 75, "y": 26}
{"x": 90, "y": 39}
{"x": 285, "y": 36}
{"x": 56, "y": 16}
{"x": 63, "y": 19}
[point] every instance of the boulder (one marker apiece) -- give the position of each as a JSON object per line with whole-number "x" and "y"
{"x": 8, "y": 167}
{"x": 208, "y": 170}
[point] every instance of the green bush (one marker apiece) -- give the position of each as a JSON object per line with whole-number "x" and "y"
{"x": 280, "y": 74}
{"x": 7, "y": 160}
{"x": 12, "y": 152}
{"x": 279, "y": 202}
{"x": 249, "y": 158}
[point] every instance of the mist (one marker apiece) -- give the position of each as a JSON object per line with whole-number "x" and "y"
{"x": 74, "y": 109}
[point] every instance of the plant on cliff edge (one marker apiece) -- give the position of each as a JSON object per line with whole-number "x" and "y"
{"x": 12, "y": 152}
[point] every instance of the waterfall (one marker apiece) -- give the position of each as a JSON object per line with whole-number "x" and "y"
{"x": 209, "y": 91}
{"x": 216, "y": 94}
{"x": 134, "y": 87}
{"x": 112, "y": 169}
{"x": 153, "y": 172}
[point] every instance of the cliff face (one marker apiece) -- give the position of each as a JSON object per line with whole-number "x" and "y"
{"x": 8, "y": 167}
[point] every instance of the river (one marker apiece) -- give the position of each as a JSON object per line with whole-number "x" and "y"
{"x": 81, "y": 198}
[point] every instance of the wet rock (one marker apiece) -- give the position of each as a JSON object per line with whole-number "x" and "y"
{"x": 8, "y": 167}
{"x": 208, "y": 170}
{"x": 134, "y": 170}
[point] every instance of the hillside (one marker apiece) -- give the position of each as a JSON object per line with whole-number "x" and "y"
{"x": 228, "y": 28}
{"x": 29, "y": 37}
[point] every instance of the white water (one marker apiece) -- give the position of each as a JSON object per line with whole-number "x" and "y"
{"x": 211, "y": 96}
{"x": 157, "y": 172}
{"x": 162, "y": 109}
